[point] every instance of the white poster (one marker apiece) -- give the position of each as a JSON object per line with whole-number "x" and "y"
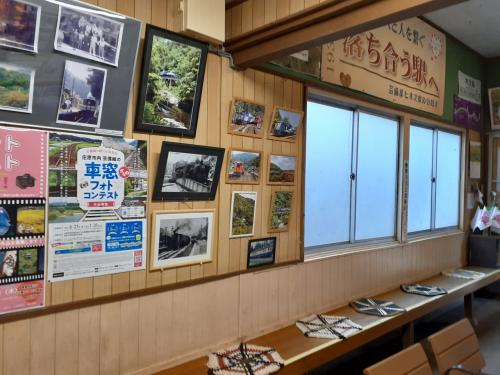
{"x": 469, "y": 88}
{"x": 97, "y": 206}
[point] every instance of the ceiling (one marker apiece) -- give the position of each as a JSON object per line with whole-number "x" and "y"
{"x": 474, "y": 22}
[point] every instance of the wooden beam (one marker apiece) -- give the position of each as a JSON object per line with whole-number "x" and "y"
{"x": 321, "y": 24}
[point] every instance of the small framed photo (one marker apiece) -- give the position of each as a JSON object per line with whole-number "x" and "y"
{"x": 16, "y": 88}
{"x": 285, "y": 124}
{"x": 82, "y": 95}
{"x": 187, "y": 172}
{"x": 281, "y": 209}
{"x": 243, "y": 167}
{"x": 261, "y": 252}
{"x": 494, "y": 96}
{"x": 243, "y": 206}
{"x": 181, "y": 238}
{"x": 281, "y": 169}
{"x": 247, "y": 118}
{"x": 173, "y": 69}
{"x": 86, "y": 33}
{"x": 19, "y": 25}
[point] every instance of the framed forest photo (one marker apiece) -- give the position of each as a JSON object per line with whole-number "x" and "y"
{"x": 242, "y": 220}
{"x": 173, "y": 69}
{"x": 281, "y": 208}
{"x": 281, "y": 169}
{"x": 187, "y": 172}
{"x": 246, "y": 118}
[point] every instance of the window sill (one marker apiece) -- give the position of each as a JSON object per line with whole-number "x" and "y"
{"x": 365, "y": 248}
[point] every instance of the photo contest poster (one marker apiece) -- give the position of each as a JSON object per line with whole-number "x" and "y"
{"x": 97, "y": 206}
{"x": 23, "y": 169}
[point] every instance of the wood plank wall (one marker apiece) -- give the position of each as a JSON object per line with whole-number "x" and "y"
{"x": 220, "y": 86}
{"x": 143, "y": 334}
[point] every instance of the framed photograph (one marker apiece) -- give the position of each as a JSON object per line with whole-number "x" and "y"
{"x": 494, "y": 96}
{"x": 187, "y": 172}
{"x": 181, "y": 238}
{"x": 82, "y": 95}
{"x": 19, "y": 25}
{"x": 281, "y": 169}
{"x": 285, "y": 124}
{"x": 173, "y": 69}
{"x": 247, "y": 118}
{"x": 243, "y": 167}
{"x": 261, "y": 252}
{"x": 281, "y": 208}
{"x": 87, "y": 33}
{"x": 16, "y": 88}
{"x": 243, "y": 206}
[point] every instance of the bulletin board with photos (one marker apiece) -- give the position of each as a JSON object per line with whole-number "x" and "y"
{"x": 66, "y": 65}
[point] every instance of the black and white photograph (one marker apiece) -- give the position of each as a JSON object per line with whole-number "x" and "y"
{"x": 261, "y": 252}
{"x": 173, "y": 70}
{"x": 82, "y": 95}
{"x": 181, "y": 238}
{"x": 86, "y": 33}
{"x": 187, "y": 172}
{"x": 16, "y": 88}
{"x": 19, "y": 25}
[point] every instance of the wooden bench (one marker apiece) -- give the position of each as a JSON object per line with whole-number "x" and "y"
{"x": 410, "y": 361}
{"x": 302, "y": 354}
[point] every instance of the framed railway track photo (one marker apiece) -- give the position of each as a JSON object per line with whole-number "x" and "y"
{"x": 187, "y": 172}
{"x": 247, "y": 118}
{"x": 243, "y": 167}
{"x": 181, "y": 238}
{"x": 285, "y": 124}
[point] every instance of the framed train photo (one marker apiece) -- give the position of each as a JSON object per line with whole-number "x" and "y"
{"x": 181, "y": 238}
{"x": 187, "y": 172}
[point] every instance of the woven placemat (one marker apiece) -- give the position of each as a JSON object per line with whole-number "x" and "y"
{"x": 245, "y": 359}
{"x": 376, "y": 307}
{"x": 328, "y": 326}
{"x": 463, "y": 274}
{"x": 423, "y": 290}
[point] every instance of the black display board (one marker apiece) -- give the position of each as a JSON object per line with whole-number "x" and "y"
{"x": 49, "y": 66}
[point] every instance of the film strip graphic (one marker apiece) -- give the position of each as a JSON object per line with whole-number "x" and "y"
{"x": 20, "y": 279}
{"x": 22, "y": 223}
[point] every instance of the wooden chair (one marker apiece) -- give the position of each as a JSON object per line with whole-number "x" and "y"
{"x": 456, "y": 349}
{"x": 410, "y": 361}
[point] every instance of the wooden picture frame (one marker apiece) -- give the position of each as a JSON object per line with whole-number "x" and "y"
{"x": 236, "y": 169}
{"x": 278, "y": 175}
{"x": 239, "y": 200}
{"x": 236, "y": 119}
{"x": 252, "y": 262}
{"x": 187, "y": 172}
{"x": 275, "y": 220}
{"x": 494, "y": 101}
{"x": 152, "y": 111}
{"x": 288, "y": 130}
{"x": 166, "y": 231}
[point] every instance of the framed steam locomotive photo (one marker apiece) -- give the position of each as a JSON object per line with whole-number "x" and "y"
{"x": 181, "y": 238}
{"x": 187, "y": 172}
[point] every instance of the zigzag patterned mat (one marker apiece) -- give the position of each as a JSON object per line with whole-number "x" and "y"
{"x": 328, "y": 326}
{"x": 376, "y": 307}
{"x": 245, "y": 359}
{"x": 423, "y": 290}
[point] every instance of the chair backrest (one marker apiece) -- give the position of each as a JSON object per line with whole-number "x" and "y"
{"x": 410, "y": 361}
{"x": 457, "y": 345}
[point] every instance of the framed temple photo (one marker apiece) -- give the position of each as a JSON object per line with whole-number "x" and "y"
{"x": 181, "y": 238}
{"x": 285, "y": 124}
{"x": 243, "y": 167}
{"x": 187, "y": 172}
{"x": 261, "y": 252}
{"x": 281, "y": 169}
{"x": 242, "y": 220}
{"x": 173, "y": 69}
{"x": 246, "y": 118}
{"x": 281, "y": 209}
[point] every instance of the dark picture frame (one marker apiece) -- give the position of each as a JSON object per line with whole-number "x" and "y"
{"x": 183, "y": 108}
{"x": 187, "y": 172}
{"x": 251, "y": 250}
